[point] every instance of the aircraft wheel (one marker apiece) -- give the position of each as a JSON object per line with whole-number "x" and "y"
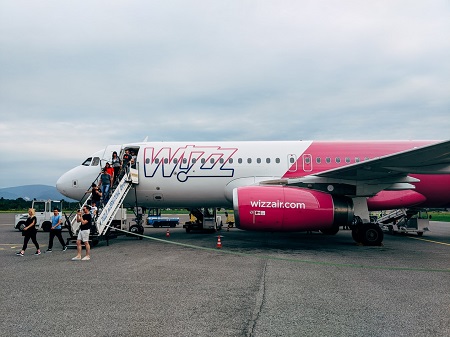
{"x": 419, "y": 233}
{"x": 371, "y": 235}
{"x": 135, "y": 229}
{"x": 46, "y": 226}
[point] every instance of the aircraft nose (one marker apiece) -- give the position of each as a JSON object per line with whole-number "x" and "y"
{"x": 63, "y": 184}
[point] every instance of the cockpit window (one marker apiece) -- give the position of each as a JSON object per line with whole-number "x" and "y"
{"x": 87, "y": 162}
{"x": 91, "y": 161}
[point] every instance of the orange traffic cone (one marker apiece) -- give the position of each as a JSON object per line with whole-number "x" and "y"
{"x": 167, "y": 233}
{"x": 219, "y": 243}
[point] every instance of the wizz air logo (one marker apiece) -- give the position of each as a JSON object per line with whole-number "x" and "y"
{"x": 277, "y": 204}
{"x": 188, "y": 162}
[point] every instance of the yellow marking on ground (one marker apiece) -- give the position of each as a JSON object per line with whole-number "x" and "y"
{"x": 439, "y": 243}
{"x": 8, "y": 244}
{"x": 6, "y": 224}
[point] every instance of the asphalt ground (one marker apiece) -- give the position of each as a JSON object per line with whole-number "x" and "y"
{"x": 258, "y": 284}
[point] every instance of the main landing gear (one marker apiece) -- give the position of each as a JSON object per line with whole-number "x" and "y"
{"x": 369, "y": 234}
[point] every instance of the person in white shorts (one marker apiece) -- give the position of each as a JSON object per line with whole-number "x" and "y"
{"x": 83, "y": 234}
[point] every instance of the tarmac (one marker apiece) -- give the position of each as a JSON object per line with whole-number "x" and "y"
{"x": 257, "y": 284}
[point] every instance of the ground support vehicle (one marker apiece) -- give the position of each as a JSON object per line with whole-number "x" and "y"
{"x": 410, "y": 221}
{"x": 204, "y": 219}
{"x": 156, "y": 220}
{"x": 44, "y": 212}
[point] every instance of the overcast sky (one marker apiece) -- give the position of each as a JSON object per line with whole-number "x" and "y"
{"x": 76, "y": 76}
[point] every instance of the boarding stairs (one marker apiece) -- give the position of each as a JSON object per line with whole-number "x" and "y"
{"x": 108, "y": 212}
{"x": 393, "y": 216}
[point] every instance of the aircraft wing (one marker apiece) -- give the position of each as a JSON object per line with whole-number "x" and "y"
{"x": 383, "y": 171}
{"x": 429, "y": 159}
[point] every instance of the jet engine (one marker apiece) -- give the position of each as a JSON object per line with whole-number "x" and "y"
{"x": 289, "y": 209}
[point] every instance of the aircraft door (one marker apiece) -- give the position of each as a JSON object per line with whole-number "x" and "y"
{"x": 292, "y": 163}
{"x": 307, "y": 163}
{"x": 107, "y": 155}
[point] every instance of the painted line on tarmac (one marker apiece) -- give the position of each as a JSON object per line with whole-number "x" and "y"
{"x": 426, "y": 240}
{"x": 320, "y": 263}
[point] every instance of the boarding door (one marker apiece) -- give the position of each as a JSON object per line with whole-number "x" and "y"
{"x": 307, "y": 162}
{"x": 107, "y": 155}
{"x": 292, "y": 163}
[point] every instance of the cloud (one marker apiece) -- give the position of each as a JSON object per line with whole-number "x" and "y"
{"x": 77, "y": 76}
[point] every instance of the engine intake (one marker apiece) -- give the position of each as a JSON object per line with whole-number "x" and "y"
{"x": 289, "y": 209}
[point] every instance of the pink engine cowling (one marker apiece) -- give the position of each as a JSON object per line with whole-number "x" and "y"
{"x": 289, "y": 209}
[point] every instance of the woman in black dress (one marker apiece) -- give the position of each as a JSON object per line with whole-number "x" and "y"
{"x": 29, "y": 232}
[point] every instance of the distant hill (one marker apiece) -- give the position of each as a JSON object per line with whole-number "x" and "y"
{"x": 30, "y": 192}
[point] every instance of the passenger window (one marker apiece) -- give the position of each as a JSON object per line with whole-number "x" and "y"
{"x": 268, "y": 160}
{"x": 258, "y": 160}
{"x": 249, "y": 160}
{"x": 277, "y": 160}
{"x": 211, "y": 160}
{"x": 166, "y": 161}
{"x": 184, "y": 161}
{"x": 194, "y": 160}
{"x": 307, "y": 160}
{"x": 203, "y": 160}
{"x": 328, "y": 160}
{"x": 175, "y": 160}
{"x": 240, "y": 160}
{"x": 338, "y": 160}
{"x": 221, "y": 160}
{"x": 87, "y": 162}
{"x": 156, "y": 160}
{"x": 230, "y": 160}
{"x": 356, "y": 159}
{"x": 318, "y": 160}
{"x": 347, "y": 160}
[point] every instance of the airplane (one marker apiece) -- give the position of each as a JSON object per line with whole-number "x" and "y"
{"x": 283, "y": 186}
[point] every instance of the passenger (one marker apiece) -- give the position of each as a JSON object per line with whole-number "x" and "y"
{"x": 55, "y": 230}
{"x": 94, "y": 210}
{"x": 126, "y": 160}
{"x": 110, "y": 171}
{"x": 29, "y": 232}
{"x": 83, "y": 234}
{"x": 116, "y": 164}
{"x": 96, "y": 195}
{"x": 105, "y": 184}
{"x": 133, "y": 159}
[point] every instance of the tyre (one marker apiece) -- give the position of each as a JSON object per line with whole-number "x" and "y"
{"x": 134, "y": 229}
{"x": 21, "y": 225}
{"x": 371, "y": 235}
{"x": 46, "y": 226}
{"x": 419, "y": 233}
